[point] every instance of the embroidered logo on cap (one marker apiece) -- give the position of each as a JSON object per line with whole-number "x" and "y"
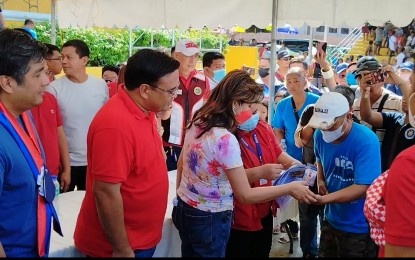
{"x": 191, "y": 45}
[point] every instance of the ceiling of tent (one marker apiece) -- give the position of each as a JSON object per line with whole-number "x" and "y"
{"x": 227, "y": 13}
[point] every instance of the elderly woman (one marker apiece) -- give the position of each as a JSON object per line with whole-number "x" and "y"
{"x": 210, "y": 170}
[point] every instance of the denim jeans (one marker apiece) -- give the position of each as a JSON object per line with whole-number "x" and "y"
{"x": 308, "y": 227}
{"x": 203, "y": 234}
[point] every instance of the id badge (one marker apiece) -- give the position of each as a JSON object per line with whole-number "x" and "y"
{"x": 48, "y": 186}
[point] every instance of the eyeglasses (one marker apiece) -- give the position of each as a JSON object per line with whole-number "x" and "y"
{"x": 60, "y": 58}
{"x": 171, "y": 92}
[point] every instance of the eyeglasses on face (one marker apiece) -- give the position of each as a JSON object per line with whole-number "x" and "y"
{"x": 59, "y": 58}
{"x": 171, "y": 92}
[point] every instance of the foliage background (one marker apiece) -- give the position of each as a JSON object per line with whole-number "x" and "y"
{"x": 110, "y": 46}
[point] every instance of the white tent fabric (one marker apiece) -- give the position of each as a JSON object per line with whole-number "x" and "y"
{"x": 227, "y": 13}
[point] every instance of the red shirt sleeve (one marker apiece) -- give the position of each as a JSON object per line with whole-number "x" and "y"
{"x": 111, "y": 155}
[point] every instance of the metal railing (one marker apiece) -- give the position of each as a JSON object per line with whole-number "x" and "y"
{"x": 345, "y": 45}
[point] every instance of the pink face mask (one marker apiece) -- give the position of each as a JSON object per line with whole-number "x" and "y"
{"x": 243, "y": 116}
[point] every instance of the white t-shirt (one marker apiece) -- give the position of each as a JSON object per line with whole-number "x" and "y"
{"x": 78, "y": 104}
{"x": 392, "y": 43}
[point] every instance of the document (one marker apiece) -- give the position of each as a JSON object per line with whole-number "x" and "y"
{"x": 297, "y": 172}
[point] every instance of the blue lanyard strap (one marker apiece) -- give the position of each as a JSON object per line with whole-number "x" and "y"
{"x": 258, "y": 151}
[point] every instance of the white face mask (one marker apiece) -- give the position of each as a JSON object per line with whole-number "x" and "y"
{"x": 331, "y": 136}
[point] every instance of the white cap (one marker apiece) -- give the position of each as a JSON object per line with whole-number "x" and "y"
{"x": 187, "y": 47}
{"x": 327, "y": 108}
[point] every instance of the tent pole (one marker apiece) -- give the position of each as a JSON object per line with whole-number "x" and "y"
{"x": 220, "y": 39}
{"x": 130, "y": 47}
{"x": 53, "y": 23}
{"x": 272, "y": 61}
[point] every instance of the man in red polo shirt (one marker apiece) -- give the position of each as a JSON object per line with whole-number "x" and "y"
{"x": 193, "y": 90}
{"x": 48, "y": 122}
{"x": 125, "y": 201}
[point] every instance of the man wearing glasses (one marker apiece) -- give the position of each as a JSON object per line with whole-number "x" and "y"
{"x": 48, "y": 122}
{"x": 283, "y": 61}
{"x": 54, "y": 61}
{"x": 192, "y": 91}
{"x": 127, "y": 187}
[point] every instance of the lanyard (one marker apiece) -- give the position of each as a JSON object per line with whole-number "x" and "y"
{"x": 258, "y": 151}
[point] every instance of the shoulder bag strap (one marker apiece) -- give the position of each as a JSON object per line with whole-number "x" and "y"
{"x": 380, "y": 108}
{"x": 295, "y": 111}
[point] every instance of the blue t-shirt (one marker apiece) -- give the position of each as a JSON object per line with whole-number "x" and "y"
{"x": 31, "y": 31}
{"x": 355, "y": 160}
{"x": 284, "y": 118}
{"x": 18, "y": 200}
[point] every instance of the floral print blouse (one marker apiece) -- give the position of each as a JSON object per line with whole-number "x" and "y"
{"x": 204, "y": 184}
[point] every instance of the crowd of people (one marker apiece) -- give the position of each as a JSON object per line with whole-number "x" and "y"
{"x": 117, "y": 136}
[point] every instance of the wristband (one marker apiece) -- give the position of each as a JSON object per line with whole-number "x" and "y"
{"x": 327, "y": 74}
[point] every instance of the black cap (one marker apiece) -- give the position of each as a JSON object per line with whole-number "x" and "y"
{"x": 366, "y": 63}
{"x": 283, "y": 54}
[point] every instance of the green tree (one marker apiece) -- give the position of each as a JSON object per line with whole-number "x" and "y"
{"x": 110, "y": 46}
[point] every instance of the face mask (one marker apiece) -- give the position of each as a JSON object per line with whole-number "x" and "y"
{"x": 331, "y": 136}
{"x": 350, "y": 79}
{"x": 263, "y": 72}
{"x": 219, "y": 74}
{"x": 249, "y": 124}
{"x": 243, "y": 116}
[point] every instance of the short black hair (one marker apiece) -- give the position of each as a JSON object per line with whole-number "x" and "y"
{"x": 110, "y": 68}
{"x": 28, "y": 21}
{"x": 209, "y": 57}
{"x": 80, "y": 46}
{"x": 147, "y": 66}
{"x": 347, "y": 92}
{"x": 51, "y": 49}
{"x": 17, "y": 51}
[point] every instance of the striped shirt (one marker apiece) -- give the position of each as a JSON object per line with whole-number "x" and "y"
{"x": 392, "y": 104}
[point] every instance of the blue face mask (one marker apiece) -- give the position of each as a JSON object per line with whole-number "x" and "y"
{"x": 219, "y": 74}
{"x": 249, "y": 124}
{"x": 350, "y": 79}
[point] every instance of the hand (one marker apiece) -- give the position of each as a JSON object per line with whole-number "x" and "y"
{"x": 392, "y": 77}
{"x": 65, "y": 180}
{"x": 306, "y": 115}
{"x": 320, "y": 200}
{"x": 300, "y": 191}
{"x": 320, "y": 58}
{"x": 271, "y": 171}
{"x": 322, "y": 189}
{"x": 365, "y": 80}
{"x": 127, "y": 252}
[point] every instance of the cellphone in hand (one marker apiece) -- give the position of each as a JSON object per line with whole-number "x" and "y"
{"x": 321, "y": 46}
{"x": 376, "y": 76}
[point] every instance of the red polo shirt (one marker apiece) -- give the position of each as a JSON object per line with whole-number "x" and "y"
{"x": 47, "y": 118}
{"x": 124, "y": 146}
{"x": 248, "y": 216}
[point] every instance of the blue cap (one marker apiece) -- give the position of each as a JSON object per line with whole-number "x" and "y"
{"x": 341, "y": 67}
{"x": 407, "y": 66}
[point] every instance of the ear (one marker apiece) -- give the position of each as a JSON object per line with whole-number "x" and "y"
{"x": 143, "y": 91}
{"x": 85, "y": 60}
{"x": 7, "y": 83}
